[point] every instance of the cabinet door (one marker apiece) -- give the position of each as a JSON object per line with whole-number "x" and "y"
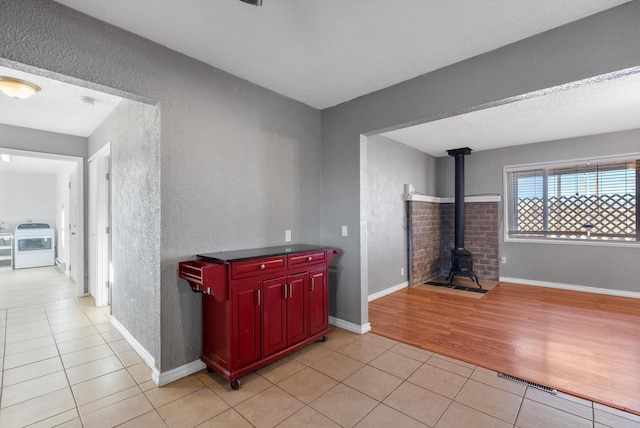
{"x": 274, "y": 323}
{"x": 297, "y": 308}
{"x": 318, "y": 301}
{"x": 245, "y": 339}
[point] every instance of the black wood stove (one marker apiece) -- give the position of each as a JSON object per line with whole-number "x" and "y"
{"x": 461, "y": 259}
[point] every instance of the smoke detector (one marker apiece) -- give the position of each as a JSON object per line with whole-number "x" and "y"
{"x": 87, "y": 101}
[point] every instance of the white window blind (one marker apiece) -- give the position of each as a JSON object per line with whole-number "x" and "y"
{"x": 586, "y": 200}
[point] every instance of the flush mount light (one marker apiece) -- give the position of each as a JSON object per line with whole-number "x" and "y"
{"x": 16, "y": 88}
{"x": 253, "y": 2}
{"x": 5, "y": 157}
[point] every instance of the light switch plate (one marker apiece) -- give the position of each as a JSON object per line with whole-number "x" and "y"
{"x": 287, "y": 235}
{"x": 344, "y": 230}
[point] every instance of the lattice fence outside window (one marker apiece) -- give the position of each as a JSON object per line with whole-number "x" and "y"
{"x": 586, "y": 200}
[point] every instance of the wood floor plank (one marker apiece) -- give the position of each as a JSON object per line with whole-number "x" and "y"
{"x": 584, "y": 344}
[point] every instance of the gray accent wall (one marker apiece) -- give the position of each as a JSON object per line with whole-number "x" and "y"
{"x": 33, "y": 140}
{"x": 596, "y": 45}
{"x": 391, "y": 165}
{"x": 133, "y": 129}
{"x": 238, "y": 164}
{"x": 587, "y": 265}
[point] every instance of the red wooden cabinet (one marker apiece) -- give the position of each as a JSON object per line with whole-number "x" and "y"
{"x": 270, "y": 304}
{"x": 274, "y": 316}
{"x": 298, "y": 308}
{"x": 285, "y": 312}
{"x": 245, "y": 323}
{"x": 318, "y": 301}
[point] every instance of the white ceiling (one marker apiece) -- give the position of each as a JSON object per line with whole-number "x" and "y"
{"x": 326, "y": 52}
{"x": 36, "y": 165}
{"x": 56, "y": 108}
{"x": 590, "y": 109}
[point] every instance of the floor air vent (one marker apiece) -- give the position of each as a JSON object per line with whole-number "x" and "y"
{"x": 531, "y": 384}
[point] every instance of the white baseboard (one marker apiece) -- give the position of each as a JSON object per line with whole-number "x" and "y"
{"x": 144, "y": 354}
{"x": 573, "y": 287}
{"x": 349, "y": 326}
{"x": 169, "y": 376}
{"x": 156, "y": 376}
{"x": 390, "y": 290}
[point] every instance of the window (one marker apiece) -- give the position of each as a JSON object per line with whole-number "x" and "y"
{"x": 583, "y": 200}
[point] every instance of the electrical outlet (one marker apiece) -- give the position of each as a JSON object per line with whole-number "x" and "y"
{"x": 503, "y": 259}
{"x": 401, "y": 271}
{"x": 344, "y": 230}
{"x": 287, "y": 235}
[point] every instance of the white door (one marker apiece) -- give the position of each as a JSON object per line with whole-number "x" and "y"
{"x": 93, "y": 201}
{"x": 99, "y": 226}
{"x": 73, "y": 227}
{"x": 63, "y": 234}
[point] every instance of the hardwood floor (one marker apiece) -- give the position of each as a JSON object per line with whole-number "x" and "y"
{"x": 584, "y": 344}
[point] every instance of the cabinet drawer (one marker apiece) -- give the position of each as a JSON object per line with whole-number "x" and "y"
{"x": 306, "y": 259}
{"x": 253, "y": 267}
{"x": 206, "y": 277}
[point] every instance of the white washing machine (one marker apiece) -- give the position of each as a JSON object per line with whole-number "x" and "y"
{"x": 34, "y": 246}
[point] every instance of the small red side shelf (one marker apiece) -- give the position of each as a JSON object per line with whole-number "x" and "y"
{"x": 206, "y": 277}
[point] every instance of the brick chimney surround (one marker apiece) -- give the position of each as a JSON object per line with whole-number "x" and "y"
{"x": 432, "y": 235}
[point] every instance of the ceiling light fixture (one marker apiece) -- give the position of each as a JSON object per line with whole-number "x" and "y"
{"x": 253, "y": 2}
{"x": 5, "y": 157}
{"x": 16, "y": 88}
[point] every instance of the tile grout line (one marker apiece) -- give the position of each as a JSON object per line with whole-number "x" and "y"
{"x": 4, "y": 350}
{"x": 453, "y": 400}
{"x": 64, "y": 369}
{"x": 521, "y": 404}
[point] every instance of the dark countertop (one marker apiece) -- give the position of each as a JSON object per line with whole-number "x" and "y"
{"x": 253, "y": 253}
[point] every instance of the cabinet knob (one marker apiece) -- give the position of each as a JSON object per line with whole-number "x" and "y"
{"x": 309, "y": 258}
{"x": 262, "y": 266}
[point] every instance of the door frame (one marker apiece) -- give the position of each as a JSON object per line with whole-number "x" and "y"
{"x": 99, "y": 228}
{"x": 79, "y": 171}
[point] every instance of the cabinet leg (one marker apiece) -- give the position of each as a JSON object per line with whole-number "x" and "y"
{"x": 235, "y": 384}
{"x": 324, "y": 338}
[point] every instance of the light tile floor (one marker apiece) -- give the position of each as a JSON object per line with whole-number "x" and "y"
{"x": 63, "y": 364}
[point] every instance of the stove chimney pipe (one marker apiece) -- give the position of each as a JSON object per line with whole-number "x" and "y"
{"x": 459, "y": 155}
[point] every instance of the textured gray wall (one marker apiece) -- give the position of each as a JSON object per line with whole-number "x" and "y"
{"x": 33, "y": 140}
{"x": 590, "y": 265}
{"x": 593, "y": 46}
{"x": 133, "y": 129}
{"x": 239, "y": 164}
{"x": 391, "y": 165}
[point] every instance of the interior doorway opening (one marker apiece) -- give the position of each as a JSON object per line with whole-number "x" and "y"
{"x": 67, "y": 219}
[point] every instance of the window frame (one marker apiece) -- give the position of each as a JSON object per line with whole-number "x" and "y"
{"x": 506, "y": 169}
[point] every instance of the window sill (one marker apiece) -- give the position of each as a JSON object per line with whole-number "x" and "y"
{"x": 582, "y": 242}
